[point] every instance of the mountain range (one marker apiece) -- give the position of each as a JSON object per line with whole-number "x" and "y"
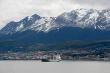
{"x": 80, "y": 24}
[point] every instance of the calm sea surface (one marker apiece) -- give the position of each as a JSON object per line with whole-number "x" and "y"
{"x": 54, "y": 67}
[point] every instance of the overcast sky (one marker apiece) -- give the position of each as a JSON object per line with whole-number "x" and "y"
{"x": 18, "y": 9}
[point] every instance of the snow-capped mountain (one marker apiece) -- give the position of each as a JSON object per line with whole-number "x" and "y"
{"x": 86, "y": 18}
{"x": 82, "y": 18}
{"x": 80, "y": 24}
{"x": 13, "y": 27}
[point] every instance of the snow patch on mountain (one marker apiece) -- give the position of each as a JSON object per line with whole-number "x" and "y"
{"x": 44, "y": 24}
{"x": 20, "y": 27}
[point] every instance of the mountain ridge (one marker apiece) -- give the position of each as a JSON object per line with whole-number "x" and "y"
{"x": 82, "y": 18}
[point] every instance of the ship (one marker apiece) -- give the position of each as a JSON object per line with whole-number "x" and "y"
{"x": 54, "y": 58}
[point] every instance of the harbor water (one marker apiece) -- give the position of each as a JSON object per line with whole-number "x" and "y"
{"x": 54, "y": 67}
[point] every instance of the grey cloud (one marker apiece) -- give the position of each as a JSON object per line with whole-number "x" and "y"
{"x": 98, "y": 3}
{"x": 1, "y": 2}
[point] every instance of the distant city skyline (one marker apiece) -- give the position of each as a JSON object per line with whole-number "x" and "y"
{"x": 14, "y": 10}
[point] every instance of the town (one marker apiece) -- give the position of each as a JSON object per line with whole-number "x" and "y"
{"x": 78, "y": 54}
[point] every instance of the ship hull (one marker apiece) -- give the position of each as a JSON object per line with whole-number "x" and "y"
{"x": 47, "y": 60}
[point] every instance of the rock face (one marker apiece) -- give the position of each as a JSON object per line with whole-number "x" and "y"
{"x": 79, "y": 24}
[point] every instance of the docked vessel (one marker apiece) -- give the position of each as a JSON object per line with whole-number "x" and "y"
{"x": 54, "y": 58}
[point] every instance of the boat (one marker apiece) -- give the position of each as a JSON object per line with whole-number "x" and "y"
{"x": 54, "y": 58}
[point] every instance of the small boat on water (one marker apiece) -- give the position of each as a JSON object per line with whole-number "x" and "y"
{"x": 54, "y": 58}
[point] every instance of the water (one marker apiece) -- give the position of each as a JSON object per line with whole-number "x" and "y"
{"x": 54, "y": 67}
